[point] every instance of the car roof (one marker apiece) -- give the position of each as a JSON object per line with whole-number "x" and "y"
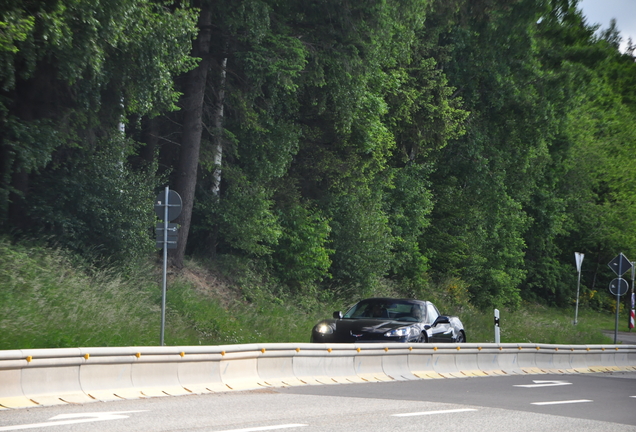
{"x": 390, "y": 299}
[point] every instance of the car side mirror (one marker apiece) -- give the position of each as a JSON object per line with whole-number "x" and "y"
{"x": 337, "y": 315}
{"x": 442, "y": 319}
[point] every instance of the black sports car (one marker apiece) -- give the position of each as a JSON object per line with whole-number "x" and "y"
{"x": 389, "y": 320}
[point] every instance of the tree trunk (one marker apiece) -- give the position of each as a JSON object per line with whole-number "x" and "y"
{"x": 194, "y": 91}
{"x": 217, "y": 144}
{"x": 218, "y": 131}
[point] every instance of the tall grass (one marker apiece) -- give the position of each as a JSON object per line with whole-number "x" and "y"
{"x": 260, "y": 313}
{"x": 50, "y": 299}
{"x": 537, "y": 324}
{"x": 531, "y": 323}
{"x": 46, "y": 301}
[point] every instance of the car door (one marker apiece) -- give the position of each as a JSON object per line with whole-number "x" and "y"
{"x": 441, "y": 332}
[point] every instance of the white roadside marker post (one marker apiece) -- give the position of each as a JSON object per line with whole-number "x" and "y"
{"x": 497, "y": 338}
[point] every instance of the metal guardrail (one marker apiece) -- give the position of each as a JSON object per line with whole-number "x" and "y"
{"x": 37, "y": 377}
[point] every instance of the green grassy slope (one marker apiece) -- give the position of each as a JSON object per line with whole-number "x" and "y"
{"x": 51, "y": 299}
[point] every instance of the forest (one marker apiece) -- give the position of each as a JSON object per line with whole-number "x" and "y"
{"x": 337, "y": 144}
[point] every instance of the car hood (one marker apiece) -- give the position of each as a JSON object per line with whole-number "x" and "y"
{"x": 367, "y": 326}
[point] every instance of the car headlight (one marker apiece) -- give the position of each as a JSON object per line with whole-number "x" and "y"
{"x": 324, "y": 328}
{"x": 399, "y": 332}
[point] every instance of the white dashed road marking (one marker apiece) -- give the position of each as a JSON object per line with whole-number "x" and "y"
{"x": 562, "y": 402}
{"x": 266, "y": 428}
{"x": 434, "y": 412}
{"x": 538, "y": 383}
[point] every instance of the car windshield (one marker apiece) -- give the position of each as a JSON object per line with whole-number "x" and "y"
{"x": 398, "y": 310}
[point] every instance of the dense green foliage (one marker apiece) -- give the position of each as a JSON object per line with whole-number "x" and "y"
{"x": 72, "y": 71}
{"x": 345, "y": 145}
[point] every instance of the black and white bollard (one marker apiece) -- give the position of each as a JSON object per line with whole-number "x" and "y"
{"x": 497, "y": 338}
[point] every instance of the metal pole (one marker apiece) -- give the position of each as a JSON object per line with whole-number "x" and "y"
{"x": 578, "y": 257}
{"x": 632, "y": 297}
{"x": 578, "y": 288}
{"x": 618, "y": 299}
{"x": 165, "y": 263}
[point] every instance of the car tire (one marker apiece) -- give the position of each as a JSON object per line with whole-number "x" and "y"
{"x": 423, "y": 338}
{"x": 461, "y": 337}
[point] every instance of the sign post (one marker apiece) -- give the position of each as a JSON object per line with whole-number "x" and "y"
{"x": 632, "y": 315}
{"x": 578, "y": 256}
{"x": 167, "y": 208}
{"x": 619, "y": 286}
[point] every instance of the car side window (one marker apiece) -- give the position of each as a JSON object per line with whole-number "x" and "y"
{"x": 358, "y": 311}
{"x": 432, "y": 313}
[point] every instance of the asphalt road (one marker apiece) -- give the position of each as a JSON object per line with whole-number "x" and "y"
{"x": 598, "y": 397}
{"x": 628, "y": 338}
{"x": 590, "y": 402}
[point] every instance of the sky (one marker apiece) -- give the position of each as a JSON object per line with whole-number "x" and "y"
{"x": 602, "y": 11}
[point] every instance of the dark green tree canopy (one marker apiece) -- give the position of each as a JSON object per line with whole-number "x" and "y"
{"x": 341, "y": 145}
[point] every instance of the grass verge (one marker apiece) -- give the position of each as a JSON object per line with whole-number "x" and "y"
{"x": 49, "y": 299}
